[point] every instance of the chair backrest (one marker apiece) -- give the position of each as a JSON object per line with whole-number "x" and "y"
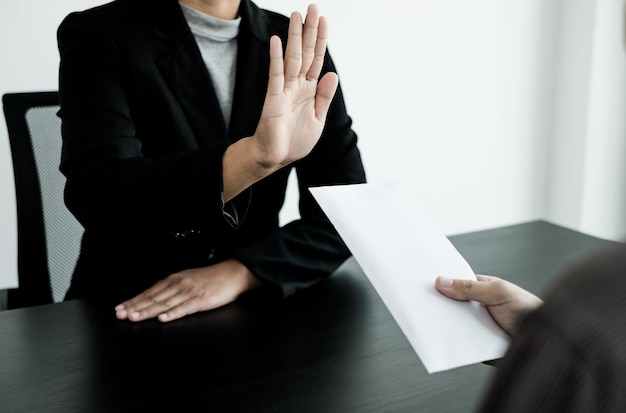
{"x": 48, "y": 234}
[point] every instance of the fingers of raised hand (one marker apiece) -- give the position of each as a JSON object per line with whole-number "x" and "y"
{"x": 315, "y": 67}
{"x": 306, "y": 46}
{"x": 293, "y": 52}
{"x": 311, "y": 40}
{"x": 326, "y": 89}
{"x": 277, "y": 73}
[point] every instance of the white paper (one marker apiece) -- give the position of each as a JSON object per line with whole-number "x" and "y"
{"x": 402, "y": 252}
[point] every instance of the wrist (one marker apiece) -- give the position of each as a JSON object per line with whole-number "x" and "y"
{"x": 245, "y": 278}
{"x": 261, "y": 162}
{"x": 242, "y": 167}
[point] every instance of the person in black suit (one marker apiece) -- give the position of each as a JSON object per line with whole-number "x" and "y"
{"x": 181, "y": 122}
{"x": 569, "y": 351}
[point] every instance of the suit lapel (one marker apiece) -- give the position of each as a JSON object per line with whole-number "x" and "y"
{"x": 186, "y": 75}
{"x": 250, "y": 87}
{"x": 182, "y": 61}
{"x": 252, "y": 71}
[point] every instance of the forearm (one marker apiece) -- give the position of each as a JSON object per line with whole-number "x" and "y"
{"x": 242, "y": 167}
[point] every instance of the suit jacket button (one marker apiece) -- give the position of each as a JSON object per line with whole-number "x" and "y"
{"x": 211, "y": 254}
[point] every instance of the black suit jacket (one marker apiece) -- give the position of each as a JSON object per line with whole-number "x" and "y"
{"x": 143, "y": 139}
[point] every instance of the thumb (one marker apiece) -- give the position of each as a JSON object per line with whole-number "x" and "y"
{"x": 326, "y": 89}
{"x": 466, "y": 290}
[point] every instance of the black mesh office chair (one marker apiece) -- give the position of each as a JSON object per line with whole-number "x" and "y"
{"x": 48, "y": 234}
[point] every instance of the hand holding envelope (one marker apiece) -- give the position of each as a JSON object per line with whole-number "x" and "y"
{"x": 402, "y": 252}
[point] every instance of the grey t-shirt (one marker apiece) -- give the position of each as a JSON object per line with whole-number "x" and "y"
{"x": 217, "y": 40}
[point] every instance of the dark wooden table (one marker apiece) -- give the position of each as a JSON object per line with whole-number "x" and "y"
{"x": 332, "y": 348}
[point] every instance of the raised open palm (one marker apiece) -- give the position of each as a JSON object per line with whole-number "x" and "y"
{"x": 296, "y": 104}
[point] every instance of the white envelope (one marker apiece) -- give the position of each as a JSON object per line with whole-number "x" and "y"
{"x": 402, "y": 252}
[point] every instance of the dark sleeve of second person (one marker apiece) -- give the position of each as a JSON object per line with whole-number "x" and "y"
{"x": 569, "y": 355}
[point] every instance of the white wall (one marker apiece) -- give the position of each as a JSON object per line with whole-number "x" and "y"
{"x": 493, "y": 112}
{"x": 586, "y": 187}
{"x": 603, "y": 210}
{"x": 451, "y": 96}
